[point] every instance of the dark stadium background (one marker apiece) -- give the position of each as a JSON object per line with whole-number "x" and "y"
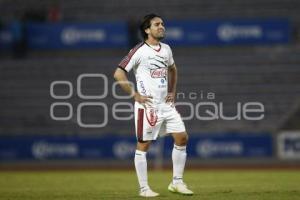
{"x": 236, "y": 72}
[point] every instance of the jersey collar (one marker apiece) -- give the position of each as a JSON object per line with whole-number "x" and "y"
{"x": 157, "y": 50}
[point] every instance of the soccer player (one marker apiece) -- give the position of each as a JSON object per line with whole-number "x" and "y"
{"x": 155, "y": 114}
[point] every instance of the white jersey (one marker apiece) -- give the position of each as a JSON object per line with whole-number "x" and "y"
{"x": 150, "y": 68}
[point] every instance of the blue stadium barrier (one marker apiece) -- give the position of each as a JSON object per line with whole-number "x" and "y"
{"x": 225, "y": 145}
{"x": 179, "y": 33}
{"x": 77, "y": 35}
{"x": 228, "y": 32}
{"x": 6, "y": 37}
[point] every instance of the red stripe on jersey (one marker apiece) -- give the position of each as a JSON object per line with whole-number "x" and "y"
{"x": 127, "y": 58}
{"x": 140, "y": 122}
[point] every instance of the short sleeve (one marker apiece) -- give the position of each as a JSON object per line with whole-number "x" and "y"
{"x": 128, "y": 62}
{"x": 170, "y": 59}
{"x": 131, "y": 59}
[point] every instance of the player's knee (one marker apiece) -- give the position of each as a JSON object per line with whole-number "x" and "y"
{"x": 143, "y": 146}
{"x": 184, "y": 139}
{"x": 181, "y": 139}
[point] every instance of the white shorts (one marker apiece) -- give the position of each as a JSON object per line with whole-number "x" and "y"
{"x": 159, "y": 120}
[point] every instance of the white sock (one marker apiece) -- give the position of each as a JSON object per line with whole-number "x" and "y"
{"x": 178, "y": 158}
{"x": 140, "y": 163}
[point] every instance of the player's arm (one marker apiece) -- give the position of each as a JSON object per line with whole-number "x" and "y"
{"x": 172, "y": 83}
{"x": 121, "y": 77}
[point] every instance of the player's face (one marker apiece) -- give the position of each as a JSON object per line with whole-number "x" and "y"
{"x": 157, "y": 29}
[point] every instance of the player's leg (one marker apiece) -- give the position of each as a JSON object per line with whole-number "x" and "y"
{"x": 140, "y": 162}
{"x": 179, "y": 155}
{"x": 176, "y": 127}
{"x": 140, "y": 158}
{"x": 179, "y": 158}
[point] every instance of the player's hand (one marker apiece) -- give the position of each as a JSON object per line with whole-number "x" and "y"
{"x": 170, "y": 98}
{"x": 143, "y": 99}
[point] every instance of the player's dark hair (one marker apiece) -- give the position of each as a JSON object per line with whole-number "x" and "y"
{"x": 146, "y": 23}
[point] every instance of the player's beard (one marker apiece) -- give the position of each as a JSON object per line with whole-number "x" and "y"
{"x": 160, "y": 36}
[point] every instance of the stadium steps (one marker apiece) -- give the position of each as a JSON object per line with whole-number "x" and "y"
{"x": 273, "y": 80}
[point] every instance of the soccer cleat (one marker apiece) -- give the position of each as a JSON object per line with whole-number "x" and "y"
{"x": 180, "y": 188}
{"x": 148, "y": 193}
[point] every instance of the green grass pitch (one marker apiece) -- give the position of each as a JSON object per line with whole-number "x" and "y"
{"x": 101, "y": 184}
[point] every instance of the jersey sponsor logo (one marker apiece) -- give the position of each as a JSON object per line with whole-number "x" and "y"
{"x": 162, "y": 86}
{"x": 142, "y": 86}
{"x": 158, "y": 73}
